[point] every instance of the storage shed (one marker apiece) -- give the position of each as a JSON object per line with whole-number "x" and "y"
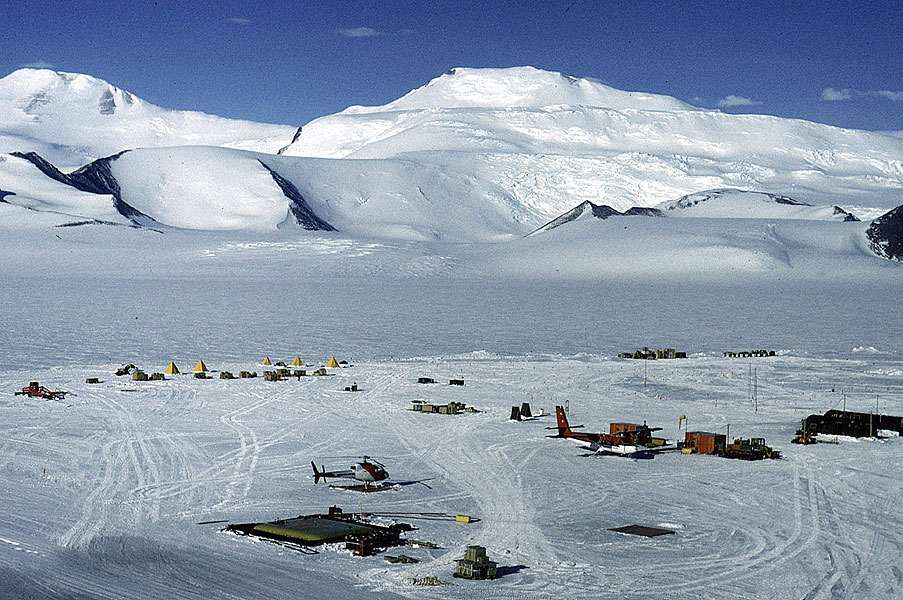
{"x": 476, "y": 565}
{"x": 705, "y": 442}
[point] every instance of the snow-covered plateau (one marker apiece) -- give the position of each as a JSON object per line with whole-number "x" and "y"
{"x": 397, "y": 238}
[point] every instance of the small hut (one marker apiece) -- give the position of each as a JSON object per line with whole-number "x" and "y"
{"x": 476, "y": 565}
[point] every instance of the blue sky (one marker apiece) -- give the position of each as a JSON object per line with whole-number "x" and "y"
{"x": 289, "y": 62}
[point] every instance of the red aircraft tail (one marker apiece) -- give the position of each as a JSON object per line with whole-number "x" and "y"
{"x": 563, "y": 428}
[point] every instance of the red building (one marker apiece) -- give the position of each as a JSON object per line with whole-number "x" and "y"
{"x": 705, "y": 442}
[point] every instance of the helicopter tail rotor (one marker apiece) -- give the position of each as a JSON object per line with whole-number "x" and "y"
{"x": 317, "y": 474}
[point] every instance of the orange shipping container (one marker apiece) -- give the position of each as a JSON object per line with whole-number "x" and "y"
{"x": 705, "y": 442}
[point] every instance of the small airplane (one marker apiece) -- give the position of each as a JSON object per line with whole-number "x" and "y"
{"x": 371, "y": 473}
{"x": 626, "y": 443}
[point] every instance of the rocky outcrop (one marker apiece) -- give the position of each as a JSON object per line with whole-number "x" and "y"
{"x": 304, "y": 216}
{"x": 691, "y": 200}
{"x": 847, "y": 216}
{"x": 885, "y": 235}
{"x": 289, "y": 145}
{"x": 95, "y": 178}
{"x": 598, "y": 211}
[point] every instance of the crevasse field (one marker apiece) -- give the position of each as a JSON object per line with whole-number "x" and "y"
{"x": 102, "y": 493}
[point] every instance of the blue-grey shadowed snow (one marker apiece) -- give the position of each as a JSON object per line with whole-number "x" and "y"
{"x": 154, "y": 318}
{"x": 109, "y": 565}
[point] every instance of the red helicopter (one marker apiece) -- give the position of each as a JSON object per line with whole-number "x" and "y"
{"x": 367, "y": 471}
{"x": 371, "y": 473}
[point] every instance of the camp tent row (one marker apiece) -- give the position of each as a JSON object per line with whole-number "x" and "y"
{"x": 296, "y": 362}
{"x": 172, "y": 369}
{"x": 332, "y": 364}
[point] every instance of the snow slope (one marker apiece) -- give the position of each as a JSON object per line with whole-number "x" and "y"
{"x": 72, "y": 119}
{"x": 39, "y": 201}
{"x": 704, "y": 248}
{"x": 217, "y": 188}
{"x": 552, "y": 142}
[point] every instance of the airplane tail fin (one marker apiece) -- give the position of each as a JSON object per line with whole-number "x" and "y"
{"x": 317, "y": 474}
{"x": 563, "y": 427}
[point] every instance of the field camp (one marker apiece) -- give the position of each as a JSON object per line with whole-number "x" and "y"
{"x": 167, "y": 468}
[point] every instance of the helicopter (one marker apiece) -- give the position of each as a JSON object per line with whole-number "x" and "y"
{"x": 369, "y": 472}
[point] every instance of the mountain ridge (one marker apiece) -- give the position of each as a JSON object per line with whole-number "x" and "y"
{"x": 473, "y": 155}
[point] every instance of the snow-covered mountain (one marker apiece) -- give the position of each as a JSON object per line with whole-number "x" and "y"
{"x": 552, "y": 142}
{"x": 474, "y": 155}
{"x": 72, "y": 119}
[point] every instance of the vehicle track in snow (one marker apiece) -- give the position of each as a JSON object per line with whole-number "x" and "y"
{"x": 728, "y": 573}
{"x": 455, "y": 452}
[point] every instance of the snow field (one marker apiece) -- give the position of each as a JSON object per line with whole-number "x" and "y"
{"x": 129, "y": 474}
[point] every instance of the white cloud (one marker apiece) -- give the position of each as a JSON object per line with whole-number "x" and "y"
{"x": 888, "y": 95}
{"x": 832, "y": 95}
{"x": 239, "y": 21}
{"x": 358, "y": 32}
{"x": 733, "y": 100}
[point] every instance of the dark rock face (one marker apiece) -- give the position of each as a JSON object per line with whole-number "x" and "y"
{"x": 107, "y": 103}
{"x": 602, "y": 212}
{"x": 885, "y": 235}
{"x": 598, "y": 211}
{"x": 787, "y": 200}
{"x": 697, "y": 198}
{"x": 304, "y": 216}
{"x": 294, "y": 139}
{"x": 95, "y": 178}
{"x": 3, "y": 195}
{"x": 642, "y": 211}
{"x": 848, "y": 216}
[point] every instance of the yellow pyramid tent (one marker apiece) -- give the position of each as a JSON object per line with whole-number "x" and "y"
{"x": 332, "y": 363}
{"x": 172, "y": 369}
{"x": 297, "y": 362}
{"x": 200, "y": 367}
{"x": 266, "y": 361}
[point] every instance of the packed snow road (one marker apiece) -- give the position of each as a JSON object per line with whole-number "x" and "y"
{"x": 102, "y": 493}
